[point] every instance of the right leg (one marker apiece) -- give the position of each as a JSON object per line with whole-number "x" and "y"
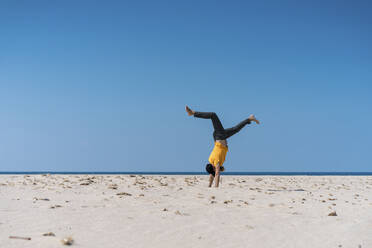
{"x": 233, "y": 130}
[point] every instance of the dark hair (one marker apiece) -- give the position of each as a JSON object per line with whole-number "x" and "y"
{"x": 210, "y": 169}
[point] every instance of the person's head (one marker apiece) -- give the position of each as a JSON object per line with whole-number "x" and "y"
{"x": 211, "y": 170}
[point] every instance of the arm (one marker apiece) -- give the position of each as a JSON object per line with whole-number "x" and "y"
{"x": 217, "y": 175}
{"x": 211, "y": 178}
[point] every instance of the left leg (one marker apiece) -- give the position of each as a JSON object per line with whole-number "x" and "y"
{"x": 233, "y": 130}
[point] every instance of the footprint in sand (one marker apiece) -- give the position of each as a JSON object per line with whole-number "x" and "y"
{"x": 55, "y": 206}
{"x": 67, "y": 241}
{"x": 179, "y": 213}
{"x": 332, "y": 213}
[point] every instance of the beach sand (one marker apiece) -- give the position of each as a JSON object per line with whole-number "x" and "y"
{"x": 181, "y": 211}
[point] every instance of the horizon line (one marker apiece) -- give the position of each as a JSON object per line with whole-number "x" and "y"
{"x": 190, "y": 173}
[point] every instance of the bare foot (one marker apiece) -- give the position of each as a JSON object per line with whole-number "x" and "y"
{"x": 253, "y": 118}
{"x": 189, "y": 111}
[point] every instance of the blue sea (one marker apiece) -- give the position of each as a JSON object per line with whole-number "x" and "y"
{"x": 192, "y": 173}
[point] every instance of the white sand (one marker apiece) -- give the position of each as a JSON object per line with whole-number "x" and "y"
{"x": 180, "y": 211}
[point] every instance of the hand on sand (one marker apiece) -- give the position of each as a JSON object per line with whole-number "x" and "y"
{"x": 253, "y": 118}
{"x": 189, "y": 111}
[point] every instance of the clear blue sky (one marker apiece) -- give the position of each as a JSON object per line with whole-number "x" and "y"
{"x": 102, "y": 85}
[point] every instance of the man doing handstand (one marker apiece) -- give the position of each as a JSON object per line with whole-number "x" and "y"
{"x": 220, "y": 135}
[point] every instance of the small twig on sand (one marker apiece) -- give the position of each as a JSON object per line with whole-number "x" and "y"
{"x": 49, "y": 234}
{"x": 17, "y": 237}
